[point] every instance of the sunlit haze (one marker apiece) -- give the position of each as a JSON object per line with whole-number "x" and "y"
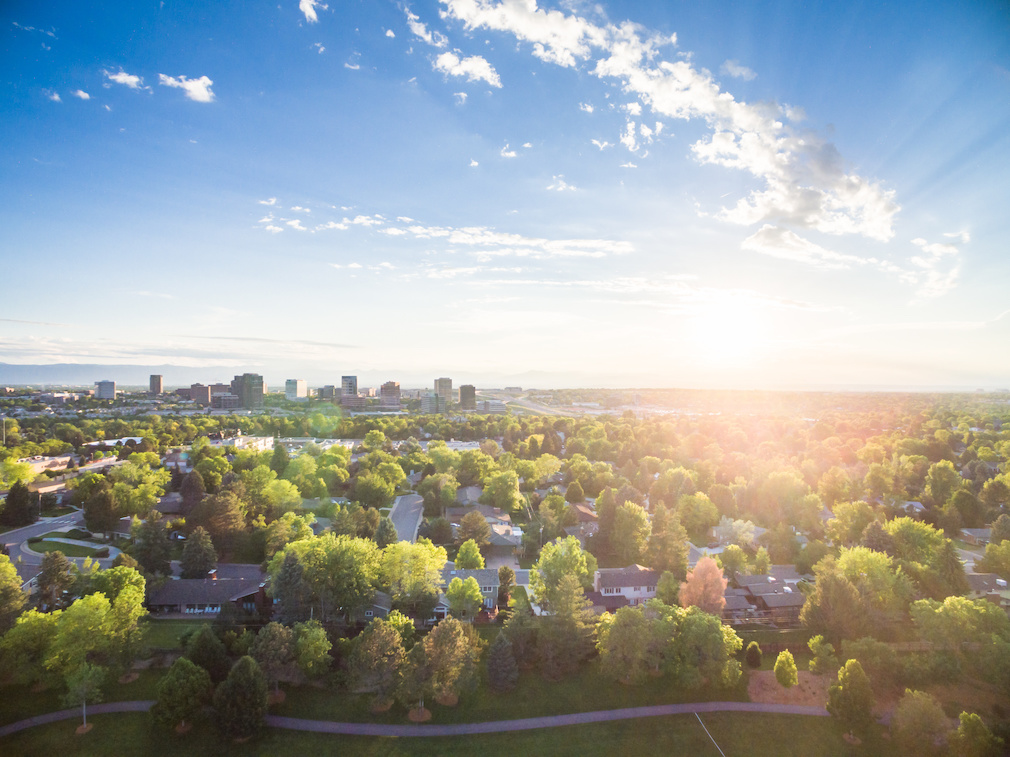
{"x": 742, "y": 194}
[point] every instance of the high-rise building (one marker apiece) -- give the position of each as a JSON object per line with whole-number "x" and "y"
{"x": 328, "y": 392}
{"x": 106, "y": 390}
{"x": 431, "y": 403}
{"x": 157, "y": 384}
{"x": 200, "y": 394}
{"x": 249, "y": 389}
{"x": 349, "y": 386}
{"x": 389, "y": 394}
{"x": 443, "y": 388}
{"x": 296, "y": 389}
{"x": 467, "y": 397}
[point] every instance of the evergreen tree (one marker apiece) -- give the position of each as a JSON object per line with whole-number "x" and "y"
{"x": 502, "y": 670}
{"x": 785, "y": 669}
{"x": 100, "y": 512}
{"x": 198, "y": 556}
{"x": 21, "y": 507}
{"x": 182, "y": 693}
{"x": 291, "y": 591}
{"x": 192, "y": 490}
{"x": 972, "y": 738}
{"x": 12, "y": 598}
{"x": 385, "y": 533}
{"x": 206, "y": 650}
{"x": 240, "y": 702}
{"x": 280, "y": 459}
{"x": 753, "y": 655}
{"x": 152, "y": 548}
{"x": 668, "y": 544}
{"x": 851, "y": 699}
{"x": 825, "y": 660}
{"x": 274, "y": 651}
{"x": 55, "y": 578}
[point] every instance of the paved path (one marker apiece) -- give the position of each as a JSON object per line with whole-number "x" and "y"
{"x": 406, "y": 516}
{"x": 457, "y": 729}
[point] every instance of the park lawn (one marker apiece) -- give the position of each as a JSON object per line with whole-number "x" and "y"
{"x": 164, "y": 634}
{"x": 586, "y": 691}
{"x": 738, "y": 735}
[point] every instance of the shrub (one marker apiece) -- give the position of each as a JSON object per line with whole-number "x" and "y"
{"x": 753, "y": 655}
{"x": 103, "y": 552}
{"x": 785, "y": 669}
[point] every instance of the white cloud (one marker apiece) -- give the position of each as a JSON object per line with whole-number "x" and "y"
{"x": 633, "y": 109}
{"x": 197, "y": 90}
{"x": 365, "y": 221}
{"x": 274, "y": 229}
{"x": 308, "y": 7}
{"x": 390, "y": 33}
{"x": 473, "y": 163}
{"x": 506, "y": 152}
{"x": 54, "y": 96}
{"x": 806, "y": 182}
{"x": 461, "y": 96}
{"x": 628, "y": 165}
{"x": 782, "y": 243}
{"x": 474, "y": 68}
{"x": 586, "y": 107}
{"x": 963, "y": 236}
{"x": 527, "y": 145}
{"x": 938, "y": 267}
{"x": 271, "y": 201}
{"x": 417, "y": 27}
{"x": 300, "y": 209}
{"x": 352, "y": 66}
{"x": 558, "y": 184}
{"x": 80, "y": 93}
{"x": 485, "y": 243}
{"x": 109, "y": 109}
{"x": 602, "y": 145}
{"x": 628, "y": 138}
{"x": 296, "y": 224}
{"x": 393, "y": 232}
{"x": 320, "y": 48}
{"x": 734, "y": 69}
{"x": 127, "y": 80}
{"x": 354, "y": 265}
{"x": 332, "y": 225}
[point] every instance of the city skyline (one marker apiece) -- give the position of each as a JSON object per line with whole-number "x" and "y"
{"x": 758, "y": 196}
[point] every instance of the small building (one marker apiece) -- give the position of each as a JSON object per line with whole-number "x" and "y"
{"x": 977, "y": 536}
{"x": 635, "y": 583}
{"x": 206, "y": 596}
{"x": 783, "y": 609}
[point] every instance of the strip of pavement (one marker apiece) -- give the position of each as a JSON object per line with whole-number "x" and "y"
{"x": 456, "y": 729}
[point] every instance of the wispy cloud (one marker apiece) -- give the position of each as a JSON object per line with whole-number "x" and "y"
{"x": 198, "y": 90}
{"x": 421, "y": 31}
{"x": 734, "y": 69}
{"x": 319, "y": 47}
{"x": 54, "y": 96}
{"x": 32, "y": 323}
{"x": 308, "y": 7}
{"x": 558, "y": 184}
{"x": 603, "y": 145}
{"x": 785, "y": 244}
{"x": 269, "y": 201}
{"x": 506, "y": 152}
{"x": 460, "y": 96}
{"x": 474, "y": 68}
{"x": 81, "y": 94}
{"x": 159, "y": 295}
{"x": 586, "y": 107}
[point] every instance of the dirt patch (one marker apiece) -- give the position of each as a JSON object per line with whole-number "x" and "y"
{"x": 419, "y": 716}
{"x": 383, "y": 706}
{"x": 811, "y": 691}
{"x": 277, "y": 697}
{"x": 83, "y": 729}
{"x": 448, "y": 700}
{"x": 183, "y": 728}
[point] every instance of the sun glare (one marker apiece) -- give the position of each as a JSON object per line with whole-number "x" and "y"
{"x": 728, "y": 332}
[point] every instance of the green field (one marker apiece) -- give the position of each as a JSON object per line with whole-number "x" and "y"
{"x": 164, "y": 634}
{"x": 70, "y": 550}
{"x": 738, "y": 735}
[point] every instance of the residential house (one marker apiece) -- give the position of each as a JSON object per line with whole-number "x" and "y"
{"x": 206, "y": 596}
{"x": 635, "y": 583}
{"x": 977, "y": 536}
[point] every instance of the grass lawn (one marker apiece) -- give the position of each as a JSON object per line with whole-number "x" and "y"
{"x": 164, "y": 634}
{"x": 70, "y": 550}
{"x": 738, "y": 735}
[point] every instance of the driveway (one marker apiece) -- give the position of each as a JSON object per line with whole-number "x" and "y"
{"x": 406, "y": 516}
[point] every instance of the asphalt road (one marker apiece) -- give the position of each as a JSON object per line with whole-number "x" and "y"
{"x": 406, "y": 516}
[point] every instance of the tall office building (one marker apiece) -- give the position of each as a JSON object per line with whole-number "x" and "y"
{"x": 443, "y": 388}
{"x": 431, "y": 403}
{"x": 349, "y": 386}
{"x": 389, "y": 395}
{"x": 200, "y": 394}
{"x": 249, "y": 389}
{"x": 157, "y": 384}
{"x": 328, "y": 392}
{"x": 296, "y": 389}
{"x": 106, "y": 390}
{"x": 467, "y": 397}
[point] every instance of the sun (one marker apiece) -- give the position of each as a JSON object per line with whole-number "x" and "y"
{"x": 728, "y": 331}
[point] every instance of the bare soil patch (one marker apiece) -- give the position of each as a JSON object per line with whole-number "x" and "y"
{"x": 83, "y": 729}
{"x": 419, "y": 716}
{"x": 811, "y": 691}
{"x": 277, "y": 697}
{"x": 183, "y": 728}
{"x": 448, "y": 700}
{"x": 378, "y": 707}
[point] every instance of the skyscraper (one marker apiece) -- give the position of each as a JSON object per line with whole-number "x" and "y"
{"x": 249, "y": 389}
{"x": 106, "y": 390}
{"x": 467, "y": 397}
{"x": 443, "y": 388}
{"x": 389, "y": 395}
{"x": 296, "y": 389}
{"x": 349, "y": 386}
{"x": 157, "y": 384}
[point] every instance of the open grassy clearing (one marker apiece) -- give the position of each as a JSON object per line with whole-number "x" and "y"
{"x": 70, "y": 550}
{"x": 738, "y": 734}
{"x": 20, "y": 702}
{"x": 164, "y": 634}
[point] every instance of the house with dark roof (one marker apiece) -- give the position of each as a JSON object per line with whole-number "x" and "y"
{"x": 206, "y": 596}
{"x": 635, "y": 583}
{"x": 783, "y": 608}
{"x": 988, "y": 586}
{"x": 493, "y": 515}
{"x": 977, "y": 536}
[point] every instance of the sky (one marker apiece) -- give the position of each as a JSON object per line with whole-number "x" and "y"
{"x": 654, "y": 193}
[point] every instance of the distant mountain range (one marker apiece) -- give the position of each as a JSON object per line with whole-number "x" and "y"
{"x": 85, "y": 374}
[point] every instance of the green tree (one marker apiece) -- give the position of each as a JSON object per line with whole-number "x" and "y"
{"x": 564, "y": 638}
{"x": 668, "y": 589}
{"x": 84, "y": 685}
{"x": 502, "y": 490}
{"x": 240, "y": 702}
{"x": 942, "y": 481}
{"x": 502, "y": 670}
{"x": 972, "y": 738}
{"x": 631, "y": 532}
{"x": 21, "y": 508}
{"x": 668, "y": 544}
{"x": 762, "y": 562}
{"x": 279, "y": 461}
{"x": 753, "y": 655}
{"x": 835, "y": 608}
{"x": 733, "y": 560}
{"x": 469, "y": 556}
{"x": 628, "y": 644}
{"x": 100, "y": 512}
{"x": 290, "y": 590}
{"x": 785, "y": 669}
{"x": 55, "y": 579}
{"x": 12, "y": 597}
{"x": 81, "y": 632}
{"x": 223, "y": 517}
{"x": 286, "y": 529}
{"x": 182, "y": 694}
{"x": 377, "y": 661}
{"x": 574, "y": 492}
{"x": 374, "y": 440}
{"x": 452, "y": 650}
{"x": 438, "y": 492}
{"x": 24, "y": 648}
{"x": 506, "y": 580}
{"x": 372, "y": 490}
{"x": 825, "y": 660}
{"x": 205, "y": 649}
{"x": 312, "y": 648}
{"x": 474, "y": 527}
{"x": 192, "y": 490}
{"x": 850, "y": 700}
{"x": 198, "y": 556}
{"x": 385, "y": 533}
{"x": 560, "y": 558}
{"x": 412, "y": 574}
{"x": 151, "y": 545}
{"x": 918, "y": 723}
{"x": 1000, "y": 529}
{"x": 464, "y": 597}
{"x": 273, "y": 649}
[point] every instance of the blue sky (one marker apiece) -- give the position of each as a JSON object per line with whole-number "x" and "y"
{"x": 641, "y": 194}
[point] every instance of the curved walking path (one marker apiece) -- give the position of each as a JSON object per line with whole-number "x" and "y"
{"x": 456, "y": 729}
